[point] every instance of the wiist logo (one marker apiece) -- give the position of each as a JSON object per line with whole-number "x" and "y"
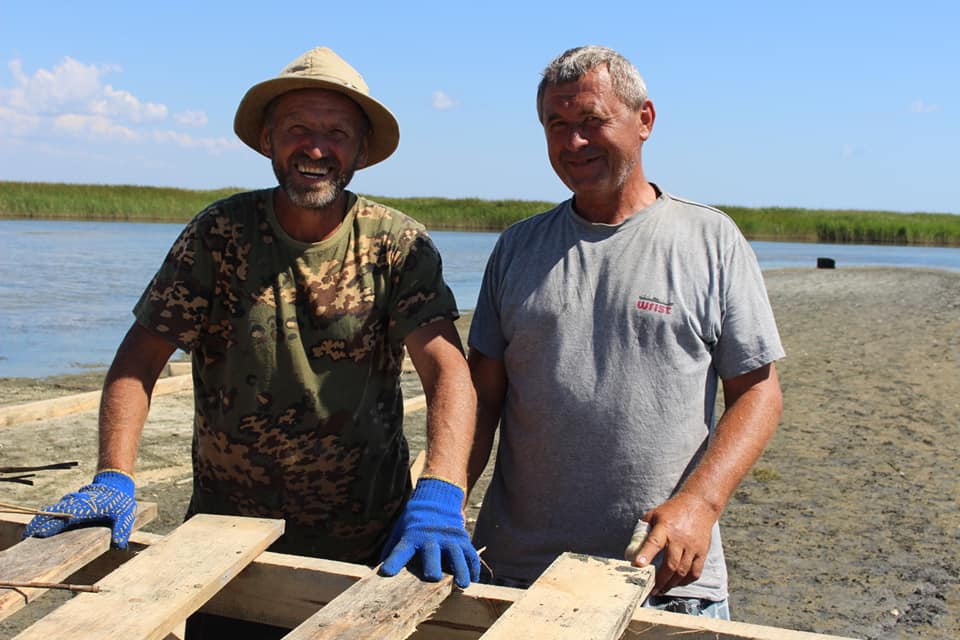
{"x": 654, "y": 306}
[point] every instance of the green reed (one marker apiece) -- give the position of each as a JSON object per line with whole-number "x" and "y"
{"x": 137, "y": 203}
{"x": 103, "y": 202}
{"x": 471, "y": 214}
{"x": 847, "y": 226}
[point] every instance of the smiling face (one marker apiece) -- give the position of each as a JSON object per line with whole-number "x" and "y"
{"x": 315, "y": 139}
{"x": 594, "y": 140}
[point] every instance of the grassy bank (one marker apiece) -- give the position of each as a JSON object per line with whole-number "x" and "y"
{"x": 105, "y": 202}
{"x": 130, "y": 203}
{"x": 847, "y": 226}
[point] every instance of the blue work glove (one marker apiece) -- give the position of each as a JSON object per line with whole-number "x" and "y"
{"x": 107, "y": 500}
{"x": 432, "y": 523}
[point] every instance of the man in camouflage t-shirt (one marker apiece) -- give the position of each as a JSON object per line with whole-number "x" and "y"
{"x": 296, "y": 304}
{"x": 297, "y": 349}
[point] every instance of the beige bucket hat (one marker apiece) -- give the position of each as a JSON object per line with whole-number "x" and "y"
{"x": 319, "y": 68}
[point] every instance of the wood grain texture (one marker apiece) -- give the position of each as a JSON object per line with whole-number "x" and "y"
{"x": 416, "y": 467}
{"x": 53, "y": 559}
{"x": 414, "y": 404}
{"x": 578, "y": 597}
{"x": 147, "y": 597}
{"x": 55, "y": 407}
{"x": 376, "y": 607}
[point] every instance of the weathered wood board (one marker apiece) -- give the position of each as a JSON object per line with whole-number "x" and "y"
{"x": 150, "y": 595}
{"x": 66, "y": 405}
{"x": 15, "y": 414}
{"x": 578, "y": 597}
{"x": 401, "y": 603}
{"x": 53, "y": 559}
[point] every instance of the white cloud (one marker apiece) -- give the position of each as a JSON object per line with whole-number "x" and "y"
{"x": 15, "y": 123}
{"x": 124, "y": 105}
{"x": 73, "y": 96}
{"x": 919, "y": 106}
{"x": 442, "y": 101}
{"x": 191, "y": 118}
{"x": 210, "y": 145}
{"x": 72, "y": 99}
{"x": 94, "y": 127}
{"x": 71, "y": 85}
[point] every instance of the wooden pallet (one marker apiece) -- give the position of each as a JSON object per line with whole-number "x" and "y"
{"x": 218, "y": 564}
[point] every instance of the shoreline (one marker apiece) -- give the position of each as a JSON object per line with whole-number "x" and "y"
{"x": 91, "y": 377}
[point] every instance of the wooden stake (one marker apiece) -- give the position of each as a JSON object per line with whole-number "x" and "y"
{"x": 80, "y": 588}
{"x": 43, "y": 467}
{"x": 15, "y": 508}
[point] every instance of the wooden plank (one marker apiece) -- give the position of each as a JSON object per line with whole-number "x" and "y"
{"x": 652, "y": 624}
{"x": 298, "y": 587}
{"x": 147, "y": 597}
{"x": 578, "y": 597}
{"x": 53, "y": 559}
{"x": 11, "y": 528}
{"x": 177, "y": 368}
{"x": 416, "y": 467}
{"x": 415, "y": 404}
{"x": 376, "y": 607}
{"x": 11, "y": 415}
{"x": 284, "y": 590}
{"x": 50, "y": 408}
{"x": 173, "y": 384}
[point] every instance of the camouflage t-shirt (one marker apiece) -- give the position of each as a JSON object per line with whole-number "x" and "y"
{"x": 297, "y": 350}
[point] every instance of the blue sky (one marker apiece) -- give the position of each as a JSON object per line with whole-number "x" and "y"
{"x": 852, "y": 105}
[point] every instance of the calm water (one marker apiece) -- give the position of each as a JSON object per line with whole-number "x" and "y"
{"x": 67, "y": 288}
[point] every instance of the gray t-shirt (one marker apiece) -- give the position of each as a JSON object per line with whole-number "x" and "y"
{"x": 613, "y": 338}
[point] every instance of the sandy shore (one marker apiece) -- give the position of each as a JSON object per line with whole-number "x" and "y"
{"x": 848, "y": 525}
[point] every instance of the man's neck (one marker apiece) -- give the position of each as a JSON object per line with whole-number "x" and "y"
{"x": 614, "y": 208}
{"x": 309, "y": 225}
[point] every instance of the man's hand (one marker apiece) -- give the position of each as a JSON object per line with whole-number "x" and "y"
{"x": 680, "y": 527}
{"x": 108, "y": 500}
{"x": 432, "y": 523}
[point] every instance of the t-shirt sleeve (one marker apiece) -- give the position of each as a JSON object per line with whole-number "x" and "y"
{"x": 486, "y": 333}
{"x": 420, "y": 294}
{"x": 176, "y": 302}
{"x": 749, "y": 338}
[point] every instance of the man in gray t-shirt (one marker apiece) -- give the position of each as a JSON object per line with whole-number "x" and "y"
{"x": 603, "y": 330}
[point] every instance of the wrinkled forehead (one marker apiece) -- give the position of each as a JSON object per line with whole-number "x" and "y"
{"x": 592, "y": 92}
{"x": 316, "y": 101}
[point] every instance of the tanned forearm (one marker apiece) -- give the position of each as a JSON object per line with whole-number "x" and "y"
{"x": 489, "y": 379}
{"x": 681, "y": 526}
{"x": 126, "y": 397}
{"x": 437, "y": 354}
{"x": 450, "y": 408}
{"x": 753, "y": 410}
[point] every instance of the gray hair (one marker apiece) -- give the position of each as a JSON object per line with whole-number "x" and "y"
{"x": 573, "y": 64}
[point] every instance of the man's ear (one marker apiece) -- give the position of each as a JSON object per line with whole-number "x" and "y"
{"x": 362, "y": 155}
{"x": 647, "y": 115}
{"x": 265, "y": 147}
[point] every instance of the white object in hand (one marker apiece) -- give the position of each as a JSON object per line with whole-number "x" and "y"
{"x": 636, "y": 540}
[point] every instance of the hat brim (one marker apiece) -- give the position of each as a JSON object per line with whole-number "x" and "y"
{"x": 248, "y": 123}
